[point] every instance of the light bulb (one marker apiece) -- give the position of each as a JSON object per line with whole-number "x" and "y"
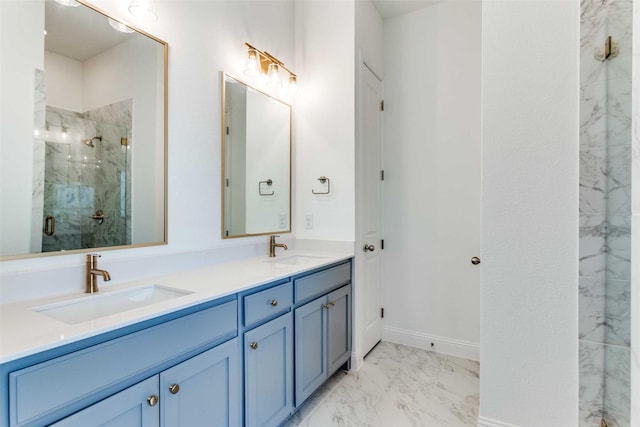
{"x": 274, "y": 75}
{"x": 144, "y": 9}
{"x": 252, "y": 67}
{"x": 119, "y": 26}
{"x": 293, "y": 84}
{"x": 70, "y": 3}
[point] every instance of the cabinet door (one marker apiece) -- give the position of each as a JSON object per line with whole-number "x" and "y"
{"x": 311, "y": 348}
{"x": 339, "y": 327}
{"x": 268, "y": 371}
{"x": 204, "y": 390}
{"x": 129, "y": 408}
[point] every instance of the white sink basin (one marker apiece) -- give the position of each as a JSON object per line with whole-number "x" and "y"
{"x": 93, "y": 307}
{"x": 296, "y": 259}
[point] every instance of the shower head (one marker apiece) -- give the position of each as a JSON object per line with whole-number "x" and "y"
{"x": 89, "y": 141}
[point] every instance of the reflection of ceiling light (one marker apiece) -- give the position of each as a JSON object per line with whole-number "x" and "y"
{"x": 45, "y": 32}
{"x": 119, "y": 26}
{"x": 70, "y": 3}
{"x": 144, "y": 9}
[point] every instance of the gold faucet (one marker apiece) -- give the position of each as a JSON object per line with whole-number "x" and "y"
{"x": 93, "y": 272}
{"x": 273, "y": 245}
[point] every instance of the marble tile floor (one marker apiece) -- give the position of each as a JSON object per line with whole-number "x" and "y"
{"x": 397, "y": 386}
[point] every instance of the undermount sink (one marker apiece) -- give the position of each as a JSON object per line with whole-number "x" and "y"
{"x": 296, "y": 259}
{"x": 93, "y": 307}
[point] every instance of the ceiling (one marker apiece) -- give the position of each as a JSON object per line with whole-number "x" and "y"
{"x": 79, "y": 32}
{"x": 391, "y": 8}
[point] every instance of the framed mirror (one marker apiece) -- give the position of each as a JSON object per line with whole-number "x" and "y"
{"x": 256, "y": 161}
{"x": 84, "y": 137}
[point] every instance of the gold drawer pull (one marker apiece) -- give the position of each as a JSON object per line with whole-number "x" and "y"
{"x": 274, "y": 302}
{"x": 153, "y": 400}
{"x": 329, "y": 305}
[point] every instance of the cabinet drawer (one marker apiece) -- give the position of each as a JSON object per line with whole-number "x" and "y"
{"x": 319, "y": 283}
{"x": 51, "y": 386}
{"x": 267, "y": 303}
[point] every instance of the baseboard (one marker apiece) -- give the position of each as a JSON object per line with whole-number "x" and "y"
{"x": 488, "y": 422}
{"x": 435, "y": 343}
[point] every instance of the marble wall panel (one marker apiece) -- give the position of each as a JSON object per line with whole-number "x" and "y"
{"x": 617, "y": 384}
{"x": 618, "y": 253}
{"x": 593, "y": 113}
{"x": 592, "y": 8}
{"x": 591, "y": 383}
{"x": 593, "y": 35}
{"x": 618, "y": 175}
{"x": 592, "y": 309}
{"x": 593, "y": 245}
{"x": 593, "y": 180}
{"x": 618, "y": 312}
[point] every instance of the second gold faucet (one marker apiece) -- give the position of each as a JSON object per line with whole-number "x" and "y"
{"x": 273, "y": 245}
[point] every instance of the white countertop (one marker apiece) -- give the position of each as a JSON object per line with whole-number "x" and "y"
{"x": 24, "y": 332}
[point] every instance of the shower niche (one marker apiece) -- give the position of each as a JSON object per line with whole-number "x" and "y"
{"x": 87, "y": 178}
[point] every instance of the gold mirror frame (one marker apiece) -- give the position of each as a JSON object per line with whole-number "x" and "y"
{"x": 224, "y": 76}
{"x": 165, "y": 46}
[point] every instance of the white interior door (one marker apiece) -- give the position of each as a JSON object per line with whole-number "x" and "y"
{"x": 371, "y": 207}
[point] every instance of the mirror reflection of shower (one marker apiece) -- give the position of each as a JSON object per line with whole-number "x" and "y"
{"x": 89, "y": 141}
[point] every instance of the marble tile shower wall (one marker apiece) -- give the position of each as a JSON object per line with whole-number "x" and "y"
{"x": 605, "y": 213}
{"x": 80, "y": 179}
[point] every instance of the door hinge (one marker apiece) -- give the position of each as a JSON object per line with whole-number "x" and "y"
{"x": 227, "y": 182}
{"x": 382, "y": 105}
{"x": 382, "y": 244}
{"x": 382, "y": 175}
{"x": 382, "y": 312}
{"x": 227, "y": 130}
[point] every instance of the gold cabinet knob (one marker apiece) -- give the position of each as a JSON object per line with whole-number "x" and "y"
{"x": 329, "y": 305}
{"x": 274, "y": 302}
{"x": 153, "y": 400}
{"x": 254, "y": 345}
{"x": 174, "y": 388}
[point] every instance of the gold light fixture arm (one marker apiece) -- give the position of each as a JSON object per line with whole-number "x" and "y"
{"x": 265, "y": 58}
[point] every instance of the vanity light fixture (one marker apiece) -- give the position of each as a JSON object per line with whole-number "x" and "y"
{"x": 119, "y": 26}
{"x": 261, "y": 63}
{"x": 146, "y": 10}
{"x": 70, "y": 3}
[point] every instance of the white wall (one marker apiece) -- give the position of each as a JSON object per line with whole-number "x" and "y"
{"x": 369, "y": 31}
{"x": 530, "y": 106}
{"x": 63, "y": 77}
{"x": 324, "y": 118}
{"x": 204, "y": 38}
{"x": 23, "y": 21}
{"x": 431, "y": 215}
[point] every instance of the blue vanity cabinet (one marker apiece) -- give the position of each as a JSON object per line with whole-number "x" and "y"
{"x": 323, "y": 340}
{"x": 129, "y": 408}
{"x": 268, "y": 353}
{"x": 205, "y": 390}
{"x": 109, "y": 378}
